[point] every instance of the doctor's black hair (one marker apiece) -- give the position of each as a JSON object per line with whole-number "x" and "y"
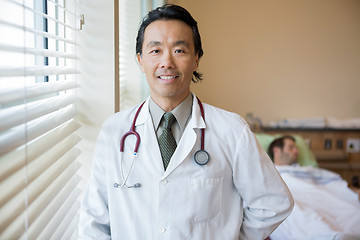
{"x": 171, "y": 12}
{"x": 279, "y": 142}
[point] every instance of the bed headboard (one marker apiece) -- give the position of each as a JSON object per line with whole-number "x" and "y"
{"x": 305, "y": 157}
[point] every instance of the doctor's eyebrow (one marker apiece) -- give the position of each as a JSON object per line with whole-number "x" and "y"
{"x": 177, "y": 43}
{"x": 153, "y": 44}
{"x": 182, "y": 43}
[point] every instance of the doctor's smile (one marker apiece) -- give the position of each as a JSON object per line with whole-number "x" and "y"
{"x": 167, "y": 77}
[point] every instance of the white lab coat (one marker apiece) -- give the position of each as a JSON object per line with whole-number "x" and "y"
{"x": 237, "y": 195}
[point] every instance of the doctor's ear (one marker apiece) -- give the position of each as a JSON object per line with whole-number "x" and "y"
{"x": 139, "y": 58}
{"x": 196, "y": 64}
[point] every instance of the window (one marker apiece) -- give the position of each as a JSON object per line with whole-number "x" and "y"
{"x": 38, "y": 93}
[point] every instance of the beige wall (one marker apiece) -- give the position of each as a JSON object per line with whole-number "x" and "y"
{"x": 280, "y": 59}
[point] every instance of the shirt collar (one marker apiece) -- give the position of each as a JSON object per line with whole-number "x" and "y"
{"x": 182, "y": 112}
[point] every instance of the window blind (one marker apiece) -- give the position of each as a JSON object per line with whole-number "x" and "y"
{"x": 38, "y": 119}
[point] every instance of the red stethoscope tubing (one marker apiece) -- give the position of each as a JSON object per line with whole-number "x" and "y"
{"x": 132, "y": 130}
{"x": 202, "y": 130}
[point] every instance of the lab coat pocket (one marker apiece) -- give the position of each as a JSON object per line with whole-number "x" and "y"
{"x": 205, "y": 199}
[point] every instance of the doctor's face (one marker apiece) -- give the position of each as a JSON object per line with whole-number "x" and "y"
{"x": 168, "y": 59}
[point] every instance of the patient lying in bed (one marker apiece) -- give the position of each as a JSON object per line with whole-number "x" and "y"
{"x": 325, "y": 207}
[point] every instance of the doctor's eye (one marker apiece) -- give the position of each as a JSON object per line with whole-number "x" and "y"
{"x": 179, "y": 51}
{"x": 155, "y": 51}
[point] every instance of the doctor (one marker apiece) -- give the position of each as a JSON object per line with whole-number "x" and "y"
{"x": 232, "y": 191}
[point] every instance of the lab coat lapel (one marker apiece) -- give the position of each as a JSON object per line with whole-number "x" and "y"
{"x": 149, "y": 147}
{"x": 187, "y": 140}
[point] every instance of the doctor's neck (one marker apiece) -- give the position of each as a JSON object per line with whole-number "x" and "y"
{"x": 168, "y": 103}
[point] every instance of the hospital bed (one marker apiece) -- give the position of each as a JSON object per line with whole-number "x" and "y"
{"x": 325, "y": 207}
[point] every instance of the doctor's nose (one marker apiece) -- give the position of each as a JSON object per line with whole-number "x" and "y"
{"x": 167, "y": 60}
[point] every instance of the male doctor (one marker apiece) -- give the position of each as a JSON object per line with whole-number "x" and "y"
{"x": 230, "y": 192}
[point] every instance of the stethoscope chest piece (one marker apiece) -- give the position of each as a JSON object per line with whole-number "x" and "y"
{"x": 201, "y": 157}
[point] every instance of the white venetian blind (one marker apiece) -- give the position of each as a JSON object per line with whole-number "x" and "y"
{"x": 38, "y": 167}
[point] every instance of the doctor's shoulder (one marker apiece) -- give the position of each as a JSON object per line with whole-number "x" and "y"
{"x": 120, "y": 120}
{"x": 222, "y": 117}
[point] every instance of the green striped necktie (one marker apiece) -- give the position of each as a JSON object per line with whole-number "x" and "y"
{"x": 167, "y": 141}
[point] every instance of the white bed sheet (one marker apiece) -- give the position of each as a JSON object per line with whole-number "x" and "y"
{"x": 325, "y": 208}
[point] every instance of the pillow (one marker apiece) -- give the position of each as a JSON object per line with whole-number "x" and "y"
{"x": 305, "y": 157}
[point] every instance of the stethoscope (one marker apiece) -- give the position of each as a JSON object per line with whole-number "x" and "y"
{"x": 201, "y": 156}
